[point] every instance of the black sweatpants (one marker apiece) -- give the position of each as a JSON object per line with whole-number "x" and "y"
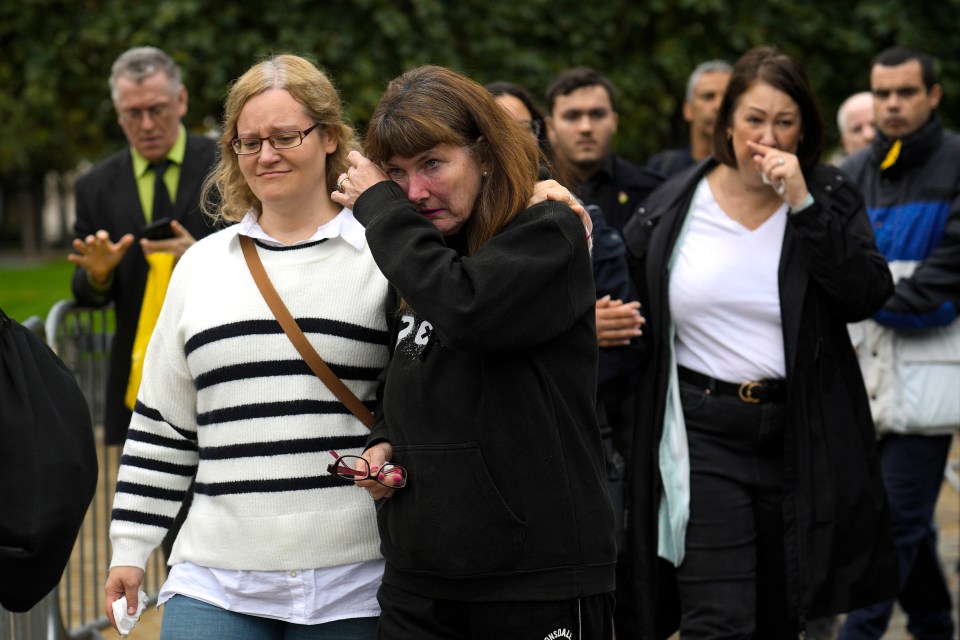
{"x": 408, "y": 616}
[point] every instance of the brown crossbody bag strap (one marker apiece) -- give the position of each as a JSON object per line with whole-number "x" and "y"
{"x": 310, "y": 355}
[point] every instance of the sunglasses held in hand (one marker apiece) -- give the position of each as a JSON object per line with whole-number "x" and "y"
{"x": 355, "y": 469}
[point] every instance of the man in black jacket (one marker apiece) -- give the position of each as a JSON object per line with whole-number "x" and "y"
{"x": 909, "y": 351}
{"x": 581, "y": 122}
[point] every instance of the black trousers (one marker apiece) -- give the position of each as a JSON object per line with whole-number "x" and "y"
{"x": 408, "y": 616}
{"x": 732, "y": 581}
{"x": 912, "y": 467}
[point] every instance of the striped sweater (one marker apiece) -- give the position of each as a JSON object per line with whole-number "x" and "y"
{"x": 225, "y": 398}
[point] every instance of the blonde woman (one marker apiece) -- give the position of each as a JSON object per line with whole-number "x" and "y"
{"x": 273, "y": 546}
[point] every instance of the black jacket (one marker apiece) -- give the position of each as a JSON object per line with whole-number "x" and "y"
{"x": 672, "y": 161}
{"x": 489, "y": 404}
{"x": 915, "y": 204}
{"x": 611, "y": 276}
{"x": 838, "y": 546}
{"x": 619, "y": 188}
{"x": 107, "y": 198}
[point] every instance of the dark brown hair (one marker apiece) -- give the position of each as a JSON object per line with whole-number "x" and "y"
{"x": 430, "y": 106}
{"x": 896, "y": 56}
{"x": 780, "y": 71}
{"x": 577, "y": 78}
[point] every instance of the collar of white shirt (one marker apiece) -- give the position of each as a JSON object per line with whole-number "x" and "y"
{"x": 343, "y": 225}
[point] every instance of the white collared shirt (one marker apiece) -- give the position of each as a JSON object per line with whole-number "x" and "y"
{"x": 310, "y": 596}
{"x": 343, "y": 225}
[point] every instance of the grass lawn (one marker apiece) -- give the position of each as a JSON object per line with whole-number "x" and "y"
{"x": 34, "y": 287}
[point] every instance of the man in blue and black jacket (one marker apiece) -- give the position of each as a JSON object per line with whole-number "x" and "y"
{"x": 910, "y": 350}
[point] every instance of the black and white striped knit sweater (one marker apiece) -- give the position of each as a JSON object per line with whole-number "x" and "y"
{"x": 225, "y": 396}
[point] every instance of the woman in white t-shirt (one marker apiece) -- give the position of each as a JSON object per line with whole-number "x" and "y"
{"x": 755, "y": 486}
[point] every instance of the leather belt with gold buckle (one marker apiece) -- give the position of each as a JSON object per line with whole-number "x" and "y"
{"x": 746, "y": 391}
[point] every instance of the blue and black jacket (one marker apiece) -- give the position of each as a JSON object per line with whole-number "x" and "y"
{"x": 914, "y": 205}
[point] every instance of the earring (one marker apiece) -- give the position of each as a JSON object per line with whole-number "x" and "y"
{"x": 484, "y": 174}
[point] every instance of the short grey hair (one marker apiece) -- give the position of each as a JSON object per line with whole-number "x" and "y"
{"x": 140, "y": 63}
{"x": 710, "y": 66}
{"x": 842, "y": 111}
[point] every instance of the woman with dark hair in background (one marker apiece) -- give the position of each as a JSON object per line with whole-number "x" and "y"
{"x": 755, "y": 481}
{"x": 519, "y": 104}
{"x": 505, "y": 529}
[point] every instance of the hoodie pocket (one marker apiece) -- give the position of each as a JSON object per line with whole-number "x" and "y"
{"x": 450, "y": 518}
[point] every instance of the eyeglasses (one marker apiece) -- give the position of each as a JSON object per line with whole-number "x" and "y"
{"x": 135, "y": 116}
{"x": 282, "y": 140}
{"x": 355, "y": 469}
{"x": 533, "y": 125}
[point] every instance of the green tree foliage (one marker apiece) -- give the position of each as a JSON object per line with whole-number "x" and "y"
{"x": 55, "y": 110}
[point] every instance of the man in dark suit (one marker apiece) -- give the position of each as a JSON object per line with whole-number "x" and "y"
{"x": 705, "y": 89}
{"x": 159, "y": 176}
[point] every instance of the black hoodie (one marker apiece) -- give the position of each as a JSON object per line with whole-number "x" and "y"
{"x": 489, "y": 404}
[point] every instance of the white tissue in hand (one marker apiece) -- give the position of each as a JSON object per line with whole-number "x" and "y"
{"x": 125, "y": 621}
{"x": 779, "y": 186}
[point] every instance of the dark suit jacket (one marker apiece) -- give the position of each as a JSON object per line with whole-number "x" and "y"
{"x": 107, "y": 199}
{"x": 619, "y": 188}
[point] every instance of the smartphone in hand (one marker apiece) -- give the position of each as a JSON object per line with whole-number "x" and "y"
{"x": 158, "y": 230}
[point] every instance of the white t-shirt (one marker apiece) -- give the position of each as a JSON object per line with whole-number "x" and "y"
{"x": 724, "y": 294}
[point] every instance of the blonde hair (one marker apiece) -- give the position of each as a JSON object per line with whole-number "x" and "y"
{"x": 430, "y": 106}
{"x": 310, "y": 87}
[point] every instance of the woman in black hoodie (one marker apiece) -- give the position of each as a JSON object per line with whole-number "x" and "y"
{"x": 505, "y": 528}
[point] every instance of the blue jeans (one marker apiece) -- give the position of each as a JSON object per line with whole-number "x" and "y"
{"x": 189, "y": 619}
{"x": 912, "y": 469}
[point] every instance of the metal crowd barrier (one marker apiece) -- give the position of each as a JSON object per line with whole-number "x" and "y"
{"x": 75, "y": 609}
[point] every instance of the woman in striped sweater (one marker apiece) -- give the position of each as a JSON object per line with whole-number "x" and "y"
{"x": 273, "y": 546}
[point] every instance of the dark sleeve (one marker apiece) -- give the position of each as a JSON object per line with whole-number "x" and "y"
{"x": 609, "y": 256}
{"x": 379, "y": 431}
{"x": 930, "y": 296}
{"x": 838, "y": 246}
{"x": 526, "y": 285}
{"x": 86, "y": 294}
{"x": 668, "y": 162}
{"x": 612, "y": 277}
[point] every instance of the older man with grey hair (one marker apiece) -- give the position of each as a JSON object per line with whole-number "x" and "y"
{"x": 705, "y": 89}
{"x": 855, "y": 122}
{"x": 158, "y": 176}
